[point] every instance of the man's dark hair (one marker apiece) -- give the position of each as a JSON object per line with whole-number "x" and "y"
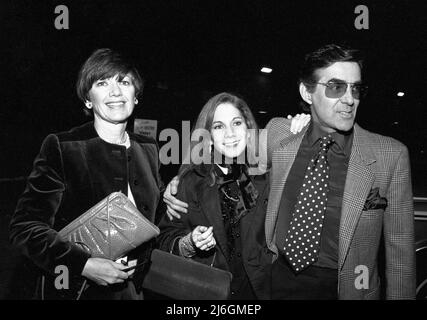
{"x": 324, "y": 57}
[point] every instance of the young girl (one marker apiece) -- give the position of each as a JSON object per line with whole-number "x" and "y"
{"x": 224, "y": 224}
{"x": 78, "y": 168}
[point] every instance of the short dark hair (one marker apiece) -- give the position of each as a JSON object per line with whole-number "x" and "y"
{"x": 324, "y": 57}
{"x": 103, "y": 64}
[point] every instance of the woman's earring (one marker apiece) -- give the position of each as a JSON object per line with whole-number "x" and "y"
{"x": 136, "y": 101}
{"x": 88, "y": 104}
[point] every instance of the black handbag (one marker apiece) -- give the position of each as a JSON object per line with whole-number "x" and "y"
{"x": 185, "y": 279}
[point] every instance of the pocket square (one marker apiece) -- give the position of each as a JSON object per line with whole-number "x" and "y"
{"x": 375, "y": 201}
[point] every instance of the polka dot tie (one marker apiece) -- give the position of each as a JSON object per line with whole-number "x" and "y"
{"x": 302, "y": 241}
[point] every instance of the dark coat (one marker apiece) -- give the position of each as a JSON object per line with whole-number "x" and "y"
{"x": 205, "y": 210}
{"x": 73, "y": 171}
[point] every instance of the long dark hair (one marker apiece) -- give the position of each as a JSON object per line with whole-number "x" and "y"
{"x": 204, "y": 122}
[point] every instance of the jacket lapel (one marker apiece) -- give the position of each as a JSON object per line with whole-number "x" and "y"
{"x": 358, "y": 183}
{"x": 282, "y": 160}
{"x": 249, "y": 221}
{"x": 212, "y": 210}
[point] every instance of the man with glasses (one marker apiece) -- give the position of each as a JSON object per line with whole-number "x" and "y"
{"x": 340, "y": 210}
{"x": 340, "y": 197}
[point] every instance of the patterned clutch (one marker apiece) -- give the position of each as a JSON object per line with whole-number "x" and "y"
{"x": 111, "y": 228}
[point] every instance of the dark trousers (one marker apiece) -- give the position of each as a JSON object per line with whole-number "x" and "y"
{"x": 313, "y": 283}
{"x": 241, "y": 289}
{"x": 123, "y": 291}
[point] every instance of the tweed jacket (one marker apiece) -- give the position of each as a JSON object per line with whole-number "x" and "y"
{"x": 375, "y": 162}
{"x": 73, "y": 171}
{"x": 204, "y": 209}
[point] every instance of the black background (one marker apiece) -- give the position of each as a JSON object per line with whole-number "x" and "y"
{"x": 189, "y": 51}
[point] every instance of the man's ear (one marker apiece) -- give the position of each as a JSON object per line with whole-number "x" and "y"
{"x": 305, "y": 94}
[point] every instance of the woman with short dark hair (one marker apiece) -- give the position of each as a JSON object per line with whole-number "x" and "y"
{"x": 78, "y": 168}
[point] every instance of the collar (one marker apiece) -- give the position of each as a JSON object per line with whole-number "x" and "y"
{"x": 87, "y": 131}
{"x": 233, "y": 171}
{"x": 343, "y": 140}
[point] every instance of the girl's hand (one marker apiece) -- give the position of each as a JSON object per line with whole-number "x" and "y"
{"x": 203, "y": 238}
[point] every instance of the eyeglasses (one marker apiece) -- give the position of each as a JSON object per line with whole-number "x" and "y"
{"x": 336, "y": 89}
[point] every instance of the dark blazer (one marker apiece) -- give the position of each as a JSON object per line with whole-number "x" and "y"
{"x": 204, "y": 209}
{"x": 376, "y": 163}
{"x": 73, "y": 171}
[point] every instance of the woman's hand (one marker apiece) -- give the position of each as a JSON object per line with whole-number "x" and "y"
{"x": 129, "y": 264}
{"x": 299, "y": 122}
{"x": 173, "y": 204}
{"x": 203, "y": 238}
{"x": 104, "y": 272}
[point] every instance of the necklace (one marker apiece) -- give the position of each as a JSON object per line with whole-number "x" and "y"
{"x": 124, "y": 139}
{"x": 229, "y": 196}
{"x": 106, "y": 135}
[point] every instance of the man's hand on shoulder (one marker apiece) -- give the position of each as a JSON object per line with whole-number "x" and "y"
{"x": 174, "y": 206}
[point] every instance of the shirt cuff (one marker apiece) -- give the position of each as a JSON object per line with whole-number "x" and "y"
{"x": 186, "y": 246}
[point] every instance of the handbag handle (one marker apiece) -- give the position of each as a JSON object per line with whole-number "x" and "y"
{"x": 109, "y": 227}
{"x": 84, "y": 286}
{"x": 213, "y": 259}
